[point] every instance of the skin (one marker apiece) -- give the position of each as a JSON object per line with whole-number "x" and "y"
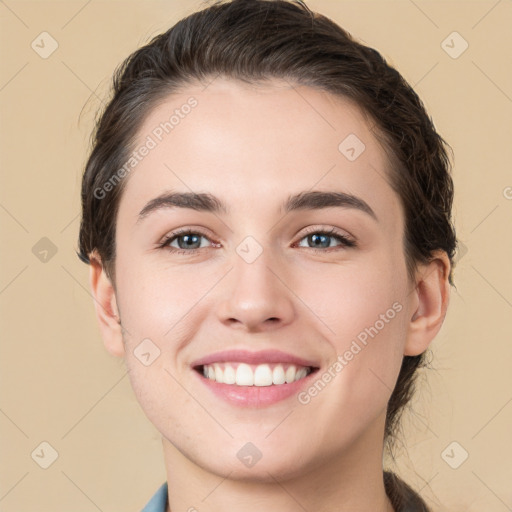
{"x": 252, "y": 146}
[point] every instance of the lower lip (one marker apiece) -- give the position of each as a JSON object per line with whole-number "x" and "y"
{"x": 255, "y": 396}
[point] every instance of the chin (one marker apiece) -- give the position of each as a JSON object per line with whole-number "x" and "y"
{"x": 264, "y": 471}
{"x": 258, "y": 462}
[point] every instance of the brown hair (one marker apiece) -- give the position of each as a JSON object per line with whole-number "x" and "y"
{"x": 254, "y": 41}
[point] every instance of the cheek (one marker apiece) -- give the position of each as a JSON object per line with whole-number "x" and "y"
{"x": 371, "y": 355}
{"x": 156, "y": 300}
{"x": 161, "y": 397}
{"x": 364, "y": 315}
{"x": 359, "y": 299}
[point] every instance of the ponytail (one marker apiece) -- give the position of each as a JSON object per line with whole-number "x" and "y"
{"x": 402, "y": 497}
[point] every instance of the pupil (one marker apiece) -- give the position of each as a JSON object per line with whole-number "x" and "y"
{"x": 187, "y": 240}
{"x": 315, "y": 238}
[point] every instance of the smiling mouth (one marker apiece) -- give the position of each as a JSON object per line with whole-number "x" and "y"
{"x": 242, "y": 374}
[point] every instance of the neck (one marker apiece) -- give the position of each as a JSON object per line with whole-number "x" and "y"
{"x": 348, "y": 481}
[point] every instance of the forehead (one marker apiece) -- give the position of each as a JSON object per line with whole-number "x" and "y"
{"x": 252, "y": 145}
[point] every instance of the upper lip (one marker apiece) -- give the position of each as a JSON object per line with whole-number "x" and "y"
{"x": 260, "y": 357}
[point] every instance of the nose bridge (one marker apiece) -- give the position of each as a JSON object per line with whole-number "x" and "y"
{"x": 256, "y": 296}
{"x": 251, "y": 269}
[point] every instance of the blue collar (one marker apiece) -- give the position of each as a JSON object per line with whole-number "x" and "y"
{"x": 158, "y": 502}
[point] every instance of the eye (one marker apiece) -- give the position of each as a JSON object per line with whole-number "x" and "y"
{"x": 321, "y": 239}
{"x": 186, "y": 241}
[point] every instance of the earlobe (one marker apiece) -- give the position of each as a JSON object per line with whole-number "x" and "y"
{"x": 105, "y": 304}
{"x": 432, "y": 298}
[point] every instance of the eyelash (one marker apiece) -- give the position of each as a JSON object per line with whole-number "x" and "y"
{"x": 345, "y": 242}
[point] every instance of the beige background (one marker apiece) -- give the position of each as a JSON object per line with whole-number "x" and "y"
{"x": 59, "y": 385}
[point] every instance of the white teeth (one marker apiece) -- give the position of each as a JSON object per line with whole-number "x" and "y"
{"x": 290, "y": 374}
{"x": 218, "y": 372}
{"x": 229, "y": 375}
{"x": 243, "y": 374}
{"x": 301, "y": 373}
{"x": 278, "y": 375}
{"x": 263, "y": 375}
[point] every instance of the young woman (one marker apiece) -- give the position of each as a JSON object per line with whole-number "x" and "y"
{"x": 267, "y": 218}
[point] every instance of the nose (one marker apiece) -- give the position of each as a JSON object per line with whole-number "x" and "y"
{"x": 257, "y": 298}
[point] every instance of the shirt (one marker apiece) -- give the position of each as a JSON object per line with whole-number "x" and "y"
{"x": 158, "y": 502}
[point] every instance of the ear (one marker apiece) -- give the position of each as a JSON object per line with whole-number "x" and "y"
{"x": 431, "y": 298}
{"x": 105, "y": 303}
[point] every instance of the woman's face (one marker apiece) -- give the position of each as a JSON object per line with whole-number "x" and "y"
{"x": 262, "y": 284}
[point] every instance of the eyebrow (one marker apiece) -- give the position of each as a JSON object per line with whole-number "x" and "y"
{"x": 308, "y": 200}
